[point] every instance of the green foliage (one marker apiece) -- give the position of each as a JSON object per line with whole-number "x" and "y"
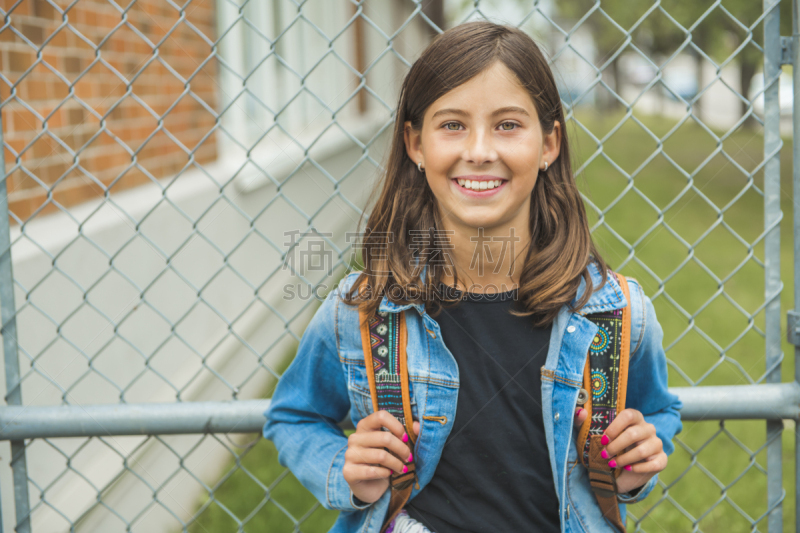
{"x": 661, "y": 29}
{"x": 729, "y": 32}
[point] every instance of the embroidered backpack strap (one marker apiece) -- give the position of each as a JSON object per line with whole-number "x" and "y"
{"x": 606, "y": 376}
{"x": 384, "y": 338}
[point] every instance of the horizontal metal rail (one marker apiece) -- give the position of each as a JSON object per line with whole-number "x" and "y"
{"x": 743, "y": 402}
{"x": 768, "y": 401}
{"x": 27, "y": 422}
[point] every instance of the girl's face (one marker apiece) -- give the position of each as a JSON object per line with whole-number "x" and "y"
{"x": 484, "y": 130}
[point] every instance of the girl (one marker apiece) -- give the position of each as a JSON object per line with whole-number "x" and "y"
{"x": 480, "y": 224}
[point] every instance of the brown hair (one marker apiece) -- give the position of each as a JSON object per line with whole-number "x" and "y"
{"x": 561, "y": 246}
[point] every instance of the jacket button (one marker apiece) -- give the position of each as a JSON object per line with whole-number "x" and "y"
{"x": 570, "y": 329}
{"x": 557, "y": 417}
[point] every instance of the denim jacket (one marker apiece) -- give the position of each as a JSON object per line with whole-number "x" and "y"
{"x": 327, "y": 381}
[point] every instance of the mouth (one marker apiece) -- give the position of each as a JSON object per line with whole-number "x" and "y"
{"x": 479, "y": 188}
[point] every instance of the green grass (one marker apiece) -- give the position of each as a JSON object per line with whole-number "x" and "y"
{"x": 725, "y": 359}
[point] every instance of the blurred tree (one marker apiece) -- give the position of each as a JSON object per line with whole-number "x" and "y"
{"x": 604, "y": 22}
{"x": 717, "y": 32}
{"x": 749, "y": 59}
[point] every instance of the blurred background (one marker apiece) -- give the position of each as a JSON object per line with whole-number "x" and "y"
{"x": 180, "y": 176}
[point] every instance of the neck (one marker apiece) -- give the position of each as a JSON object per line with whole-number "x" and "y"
{"x": 487, "y": 260}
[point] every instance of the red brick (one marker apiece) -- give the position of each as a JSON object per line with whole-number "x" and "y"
{"x": 101, "y": 89}
{"x": 33, "y": 32}
{"x": 37, "y": 90}
{"x": 20, "y": 119}
{"x": 20, "y": 8}
{"x": 42, "y": 9}
{"x": 20, "y": 61}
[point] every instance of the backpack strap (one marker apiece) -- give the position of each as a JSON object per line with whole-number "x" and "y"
{"x": 606, "y": 377}
{"x": 384, "y": 338}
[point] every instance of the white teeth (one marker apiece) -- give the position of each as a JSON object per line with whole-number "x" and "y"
{"x": 476, "y": 185}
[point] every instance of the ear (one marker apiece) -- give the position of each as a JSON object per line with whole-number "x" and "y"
{"x": 413, "y": 141}
{"x": 551, "y": 143}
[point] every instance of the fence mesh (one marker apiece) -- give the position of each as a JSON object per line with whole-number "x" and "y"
{"x": 173, "y": 168}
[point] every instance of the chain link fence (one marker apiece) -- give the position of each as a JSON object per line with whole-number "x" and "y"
{"x": 182, "y": 187}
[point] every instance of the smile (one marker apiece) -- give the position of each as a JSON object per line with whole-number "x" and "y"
{"x": 479, "y": 188}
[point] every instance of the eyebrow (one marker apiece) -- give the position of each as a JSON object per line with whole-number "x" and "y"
{"x": 461, "y": 112}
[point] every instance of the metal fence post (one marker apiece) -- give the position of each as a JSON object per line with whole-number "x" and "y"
{"x": 796, "y": 235}
{"x": 772, "y": 280}
{"x": 8, "y": 314}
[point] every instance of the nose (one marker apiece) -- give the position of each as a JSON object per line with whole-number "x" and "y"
{"x": 480, "y": 147}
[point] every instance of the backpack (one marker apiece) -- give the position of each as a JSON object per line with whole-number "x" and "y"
{"x": 384, "y": 337}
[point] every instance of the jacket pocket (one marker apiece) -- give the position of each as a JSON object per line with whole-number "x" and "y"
{"x": 585, "y": 512}
{"x": 574, "y": 515}
{"x": 358, "y": 386}
{"x": 360, "y": 396}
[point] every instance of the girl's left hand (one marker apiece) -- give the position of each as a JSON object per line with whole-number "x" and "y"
{"x": 631, "y": 443}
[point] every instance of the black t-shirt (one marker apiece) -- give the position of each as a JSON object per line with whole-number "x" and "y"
{"x": 494, "y": 473}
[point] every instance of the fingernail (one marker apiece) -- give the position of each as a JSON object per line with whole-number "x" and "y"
{"x": 604, "y": 440}
{"x": 405, "y": 469}
{"x": 612, "y": 463}
{"x": 405, "y": 437}
{"x": 604, "y": 454}
{"x": 628, "y": 468}
{"x": 578, "y": 412}
{"x": 410, "y": 457}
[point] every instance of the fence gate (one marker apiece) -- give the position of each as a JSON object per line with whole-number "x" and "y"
{"x": 181, "y": 183}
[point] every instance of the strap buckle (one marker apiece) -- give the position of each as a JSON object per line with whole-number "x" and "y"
{"x": 399, "y": 484}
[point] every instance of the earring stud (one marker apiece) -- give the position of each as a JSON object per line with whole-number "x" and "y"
{"x": 545, "y": 166}
{"x": 419, "y": 166}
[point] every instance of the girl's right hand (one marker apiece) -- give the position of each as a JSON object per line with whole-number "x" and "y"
{"x": 367, "y": 463}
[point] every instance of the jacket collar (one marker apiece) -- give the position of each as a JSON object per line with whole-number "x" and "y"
{"x": 391, "y": 307}
{"x": 603, "y": 299}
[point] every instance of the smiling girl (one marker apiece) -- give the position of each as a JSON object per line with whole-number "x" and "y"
{"x": 479, "y": 240}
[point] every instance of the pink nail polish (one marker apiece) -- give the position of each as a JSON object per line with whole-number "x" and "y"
{"x": 578, "y": 412}
{"x": 405, "y": 469}
{"x": 628, "y": 468}
{"x": 410, "y": 457}
{"x": 604, "y": 440}
{"x": 405, "y": 437}
{"x": 612, "y": 463}
{"x": 604, "y": 454}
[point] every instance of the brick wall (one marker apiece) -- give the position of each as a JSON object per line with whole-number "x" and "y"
{"x": 100, "y": 111}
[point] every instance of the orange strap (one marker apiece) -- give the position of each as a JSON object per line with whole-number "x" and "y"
{"x": 400, "y": 484}
{"x": 602, "y": 477}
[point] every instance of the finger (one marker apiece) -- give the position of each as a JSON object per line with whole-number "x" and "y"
{"x": 630, "y": 436}
{"x": 374, "y": 438}
{"x": 580, "y": 416}
{"x": 381, "y": 440}
{"x": 655, "y": 463}
{"x": 625, "y": 418}
{"x": 381, "y": 419}
{"x": 366, "y": 472}
{"x": 641, "y": 452}
{"x": 374, "y": 456}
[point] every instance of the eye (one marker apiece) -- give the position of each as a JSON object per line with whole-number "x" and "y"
{"x": 446, "y": 124}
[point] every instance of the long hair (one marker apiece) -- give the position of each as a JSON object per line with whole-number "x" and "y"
{"x": 561, "y": 247}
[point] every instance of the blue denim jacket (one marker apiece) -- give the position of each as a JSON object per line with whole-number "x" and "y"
{"x": 327, "y": 381}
